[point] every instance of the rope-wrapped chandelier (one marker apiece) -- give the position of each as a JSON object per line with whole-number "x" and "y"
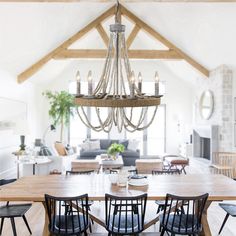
{"x": 117, "y": 91}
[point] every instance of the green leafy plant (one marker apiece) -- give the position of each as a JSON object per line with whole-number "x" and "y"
{"x": 61, "y": 104}
{"x": 115, "y": 148}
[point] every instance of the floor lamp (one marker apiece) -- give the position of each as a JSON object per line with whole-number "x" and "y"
{"x": 49, "y": 128}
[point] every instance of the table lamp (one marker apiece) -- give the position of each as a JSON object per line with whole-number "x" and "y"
{"x": 22, "y": 129}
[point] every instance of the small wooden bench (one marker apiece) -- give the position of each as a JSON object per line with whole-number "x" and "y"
{"x": 85, "y": 165}
{"x": 146, "y": 166}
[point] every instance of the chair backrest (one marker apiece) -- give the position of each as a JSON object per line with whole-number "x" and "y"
{"x": 87, "y": 172}
{"x": 223, "y": 158}
{"x": 166, "y": 172}
{"x": 66, "y": 222}
{"x": 188, "y": 220}
{"x": 114, "y": 171}
{"x": 125, "y": 215}
{"x": 6, "y": 181}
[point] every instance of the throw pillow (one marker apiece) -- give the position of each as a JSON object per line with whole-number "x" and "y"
{"x": 60, "y": 149}
{"x": 44, "y": 151}
{"x": 85, "y": 145}
{"x": 105, "y": 143}
{"x": 69, "y": 150}
{"x": 94, "y": 145}
{"x": 133, "y": 144}
{"x": 125, "y": 143}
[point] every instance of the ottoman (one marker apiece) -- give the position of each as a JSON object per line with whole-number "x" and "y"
{"x": 85, "y": 165}
{"x": 146, "y": 166}
{"x": 176, "y": 162}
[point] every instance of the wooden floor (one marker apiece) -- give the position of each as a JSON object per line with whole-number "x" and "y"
{"x": 216, "y": 215}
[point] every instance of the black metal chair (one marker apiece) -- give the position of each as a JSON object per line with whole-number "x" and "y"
{"x": 90, "y": 202}
{"x": 161, "y": 203}
{"x": 75, "y": 223}
{"x": 87, "y": 172}
{"x": 12, "y": 211}
{"x": 188, "y": 223}
{"x": 125, "y": 215}
{"x": 230, "y": 211}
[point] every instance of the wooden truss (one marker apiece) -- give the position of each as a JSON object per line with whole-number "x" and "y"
{"x": 62, "y": 51}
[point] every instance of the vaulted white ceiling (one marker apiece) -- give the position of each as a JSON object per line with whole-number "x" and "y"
{"x": 28, "y": 31}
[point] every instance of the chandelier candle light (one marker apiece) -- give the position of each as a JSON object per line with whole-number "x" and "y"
{"x": 78, "y": 83}
{"x": 140, "y": 82}
{"x": 117, "y": 97}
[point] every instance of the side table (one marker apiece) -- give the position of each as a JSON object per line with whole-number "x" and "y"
{"x": 30, "y": 161}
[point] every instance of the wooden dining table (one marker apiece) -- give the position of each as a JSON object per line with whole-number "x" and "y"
{"x": 33, "y": 188}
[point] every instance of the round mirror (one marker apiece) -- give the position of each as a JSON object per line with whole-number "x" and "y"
{"x": 206, "y": 105}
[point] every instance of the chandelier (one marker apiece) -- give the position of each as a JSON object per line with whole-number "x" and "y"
{"x": 117, "y": 91}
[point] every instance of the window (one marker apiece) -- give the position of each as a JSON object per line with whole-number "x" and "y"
{"x": 156, "y": 133}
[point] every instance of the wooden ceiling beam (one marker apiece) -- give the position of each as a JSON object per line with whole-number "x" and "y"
{"x": 132, "y": 35}
{"x": 39, "y": 64}
{"x": 61, "y": 51}
{"x": 122, "y": 1}
{"x": 103, "y": 34}
{"x": 134, "y": 54}
{"x": 163, "y": 40}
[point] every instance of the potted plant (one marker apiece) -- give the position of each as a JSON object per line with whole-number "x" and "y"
{"x": 115, "y": 149}
{"x": 60, "y": 108}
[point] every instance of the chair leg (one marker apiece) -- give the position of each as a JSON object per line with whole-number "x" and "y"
{"x": 162, "y": 232}
{"x": 13, "y": 226}
{"x": 158, "y": 209}
{"x": 26, "y": 223}
{"x": 223, "y": 224}
{"x": 90, "y": 228}
{"x": 1, "y": 227}
{"x": 160, "y": 227}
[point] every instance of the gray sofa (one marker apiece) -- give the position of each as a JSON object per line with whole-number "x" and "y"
{"x": 129, "y": 156}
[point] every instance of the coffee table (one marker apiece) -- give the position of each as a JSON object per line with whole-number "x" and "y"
{"x": 106, "y": 164}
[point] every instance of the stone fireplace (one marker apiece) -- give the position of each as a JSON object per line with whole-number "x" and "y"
{"x": 215, "y": 133}
{"x": 205, "y": 141}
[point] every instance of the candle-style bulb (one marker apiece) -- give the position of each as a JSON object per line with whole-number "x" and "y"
{"x": 90, "y": 76}
{"x": 78, "y": 83}
{"x": 157, "y": 79}
{"x": 140, "y": 77}
{"x": 90, "y": 84}
{"x": 156, "y": 84}
{"x": 78, "y": 76}
{"x": 132, "y": 77}
{"x": 132, "y": 85}
{"x": 140, "y": 82}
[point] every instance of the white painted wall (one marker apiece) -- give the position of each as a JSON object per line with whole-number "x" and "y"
{"x": 178, "y": 97}
{"x": 26, "y": 92}
{"x": 234, "y": 111}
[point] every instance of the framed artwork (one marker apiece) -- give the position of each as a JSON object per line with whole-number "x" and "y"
{"x": 234, "y": 109}
{"x": 12, "y": 113}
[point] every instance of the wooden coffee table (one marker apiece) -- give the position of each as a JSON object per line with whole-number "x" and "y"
{"x": 110, "y": 164}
